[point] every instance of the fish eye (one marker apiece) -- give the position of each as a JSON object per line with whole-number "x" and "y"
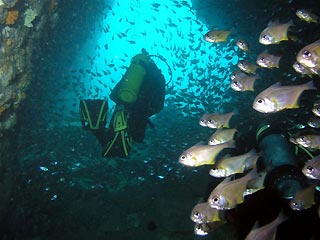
{"x": 198, "y": 227}
{"x": 183, "y": 157}
{"x": 261, "y": 59}
{"x": 202, "y": 120}
{"x": 294, "y": 204}
{"x": 216, "y": 199}
{"x": 237, "y": 84}
{"x": 265, "y": 37}
{"x": 306, "y": 54}
{"x": 299, "y": 66}
{"x": 196, "y": 214}
{"x": 302, "y": 138}
{"x": 310, "y": 169}
{"x": 260, "y": 101}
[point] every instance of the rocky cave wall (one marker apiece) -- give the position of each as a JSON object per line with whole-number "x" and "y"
{"x": 22, "y": 24}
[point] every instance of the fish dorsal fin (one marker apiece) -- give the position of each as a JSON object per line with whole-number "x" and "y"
{"x": 218, "y": 130}
{"x": 227, "y": 179}
{"x": 201, "y": 143}
{"x": 273, "y": 23}
{"x": 255, "y": 225}
{"x": 275, "y": 85}
{"x": 290, "y": 23}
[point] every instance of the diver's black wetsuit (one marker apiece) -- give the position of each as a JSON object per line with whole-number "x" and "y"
{"x": 150, "y": 100}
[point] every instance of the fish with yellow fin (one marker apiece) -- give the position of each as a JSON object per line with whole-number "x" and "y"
{"x": 236, "y": 74}
{"x": 203, "y": 213}
{"x": 309, "y": 55}
{"x": 256, "y": 184}
{"x": 222, "y": 135}
{"x": 247, "y": 66}
{"x": 200, "y": 154}
{"x": 275, "y": 33}
{"x": 267, "y": 231}
{"x": 242, "y": 84}
{"x": 309, "y": 140}
{"x": 216, "y": 36}
{"x": 203, "y": 229}
{"x": 228, "y": 194}
{"x": 314, "y": 122}
{"x": 204, "y": 120}
{"x": 300, "y": 68}
{"x": 243, "y": 45}
{"x": 304, "y": 198}
{"x": 311, "y": 168}
{"x": 307, "y": 16}
{"x": 236, "y": 164}
{"x": 219, "y": 120}
{"x": 276, "y": 98}
{"x": 267, "y": 60}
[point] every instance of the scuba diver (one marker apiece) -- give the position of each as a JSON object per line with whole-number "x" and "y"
{"x": 138, "y": 95}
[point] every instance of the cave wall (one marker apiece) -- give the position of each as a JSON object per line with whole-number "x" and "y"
{"x": 22, "y": 24}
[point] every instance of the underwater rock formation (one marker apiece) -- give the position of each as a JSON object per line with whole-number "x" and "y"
{"x": 20, "y": 31}
{"x": 17, "y": 40}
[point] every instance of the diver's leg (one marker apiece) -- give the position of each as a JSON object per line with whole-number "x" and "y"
{"x": 103, "y": 135}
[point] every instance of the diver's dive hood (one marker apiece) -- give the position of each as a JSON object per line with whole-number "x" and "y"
{"x": 279, "y": 160}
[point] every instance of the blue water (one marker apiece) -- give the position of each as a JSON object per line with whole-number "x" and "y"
{"x": 66, "y": 189}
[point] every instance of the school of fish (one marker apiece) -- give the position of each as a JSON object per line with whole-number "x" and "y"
{"x": 232, "y": 190}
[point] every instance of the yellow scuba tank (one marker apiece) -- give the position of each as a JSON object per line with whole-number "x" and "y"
{"x": 131, "y": 82}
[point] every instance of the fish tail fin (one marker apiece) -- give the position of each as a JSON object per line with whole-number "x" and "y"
{"x": 235, "y": 131}
{"x": 252, "y": 152}
{"x": 290, "y": 23}
{"x": 231, "y": 144}
{"x": 292, "y": 37}
{"x": 309, "y": 75}
{"x": 281, "y": 217}
{"x": 251, "y": 162}
{"x": 253, "y": 174}
{"x": 230, "y": 115}
{"x": 310, "y": 85}
{"x": 235, "y": 111}
{"x": 226, "y": 125}
{"x": 227, "y": 119}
